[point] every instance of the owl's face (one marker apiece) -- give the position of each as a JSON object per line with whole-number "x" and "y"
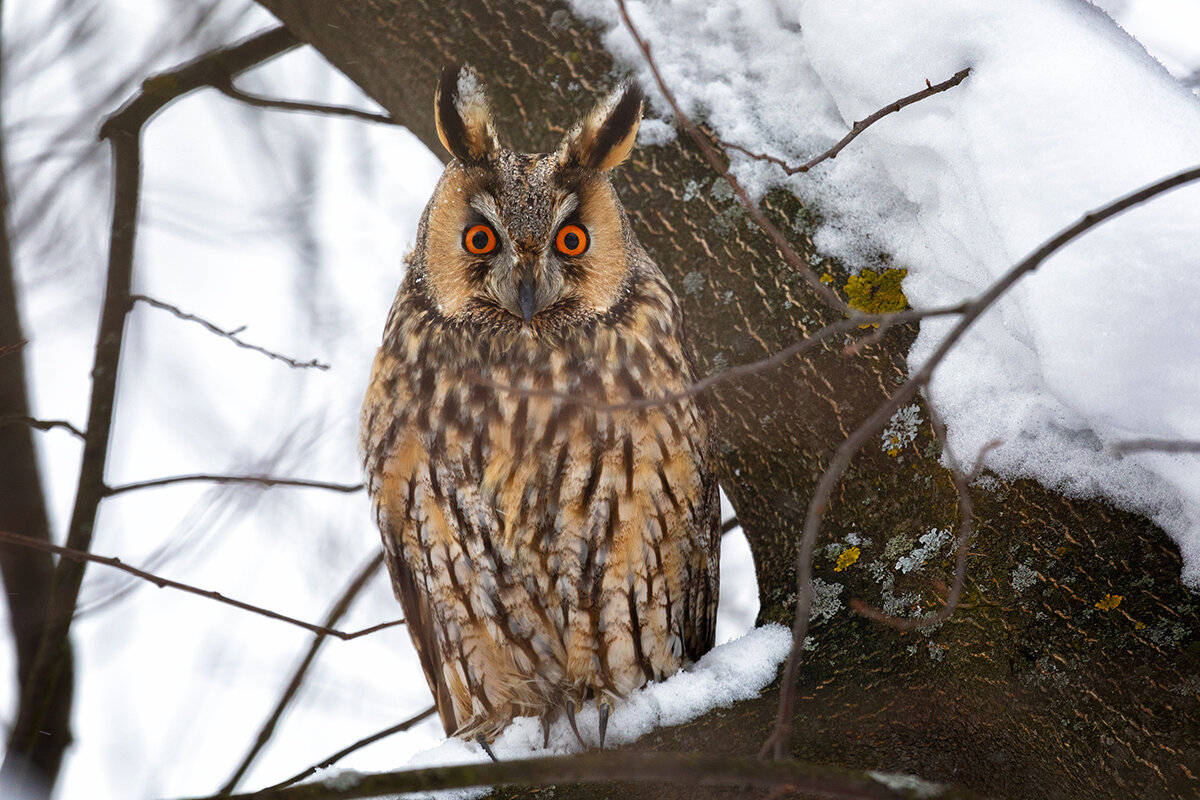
{"x": 521, "y": 238}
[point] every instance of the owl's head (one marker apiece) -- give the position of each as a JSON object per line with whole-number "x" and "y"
{"x": 526, "y": 240}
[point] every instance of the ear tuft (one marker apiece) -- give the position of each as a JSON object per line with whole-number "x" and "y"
{"x": 605, "y": 137}
{"x": 463, "y": 118}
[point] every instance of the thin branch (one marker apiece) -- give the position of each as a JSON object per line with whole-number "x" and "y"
{"x": 229, "y": 90}
{"x": 360, "y": 744}
{"x": 885, "y": 321}
{"x": 257, "y": 480}
{"x": 230, "y": 335}
{"x": 339, "y": 609}
{"x": 624, "y": 767}
{"x": 9, "y": 349}
{"x": 729, "y": 525}
{"x": 776, "y": 744}
{"x": 52, "y": 667}
{"x": 858, "y": 127}
{"x": 1153, "y": 445}
{"x": 715, "y": 161}
{"x": 80, "y": 556}
{"x": 42, "y": 424}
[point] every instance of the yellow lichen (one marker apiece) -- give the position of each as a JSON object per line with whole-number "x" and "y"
{"x": 826, "y": 278}
{"x": 1110, "y": 602}
{"x": 876, "y": 293}
{"x": 1137, "y": 626}
{"x": 848, "y": 557}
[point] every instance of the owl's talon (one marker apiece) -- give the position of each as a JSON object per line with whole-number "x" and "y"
{"x": 545, "y": 720}
{"x": 571, "y": 720}
{"x": 486, "y": 748}
{"x": 605, "y": 710}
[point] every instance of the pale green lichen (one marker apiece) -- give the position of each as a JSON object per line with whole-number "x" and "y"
{"x": 693, "y": 283}
{"x": 901, "y": 430}
{"x": 1023, "y": 577}
{"x": 931, "y": 544}
{"x": 827, "y": 600}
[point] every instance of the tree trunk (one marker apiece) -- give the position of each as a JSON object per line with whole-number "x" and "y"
{"x": 1038, "y": 684}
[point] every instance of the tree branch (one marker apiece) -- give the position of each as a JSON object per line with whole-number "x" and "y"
{"x": 360, "y": 744}
{"x": 229, "y": 90}
{"x": 257, "y": 480}
{"x": 41, "y": 424}
{"x": 858, "y": 127}
{"x": 626, "y": 767}
{"x": 340, "y": 607}
{"x": 80, "y": 556}
{"x": 230, "y": 335}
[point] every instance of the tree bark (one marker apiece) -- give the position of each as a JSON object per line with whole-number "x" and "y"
{"x": 1038, "y": 684}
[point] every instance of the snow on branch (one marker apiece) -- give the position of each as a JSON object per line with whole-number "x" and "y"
{"x": 858, "y": 127}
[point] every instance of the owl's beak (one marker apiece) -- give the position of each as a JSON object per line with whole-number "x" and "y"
{"x": 526, "y": 297}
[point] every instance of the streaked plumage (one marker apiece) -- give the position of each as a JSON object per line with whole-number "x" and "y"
{"x": 545, "y": 552}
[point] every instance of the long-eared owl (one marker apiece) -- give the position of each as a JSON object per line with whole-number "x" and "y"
{"x": 548, "y": 549}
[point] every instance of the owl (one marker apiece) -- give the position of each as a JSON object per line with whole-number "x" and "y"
{"x": 548, "y": 549}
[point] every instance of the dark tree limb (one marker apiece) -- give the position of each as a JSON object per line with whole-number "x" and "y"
{"x": 234, "y": 93}
{"x": 26, "y": 573}
{"x": 626, "y": 767}
{"x": 41, "y": 424}
{"x": 49, "y": 679}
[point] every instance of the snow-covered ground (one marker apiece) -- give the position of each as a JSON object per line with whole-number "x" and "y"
{"x": 1063, "y": 112}
{"x": 294, "y": 225}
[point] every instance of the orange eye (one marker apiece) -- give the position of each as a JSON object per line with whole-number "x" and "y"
{"x": 479, "y": 239}
{"x": 572, "y": 240}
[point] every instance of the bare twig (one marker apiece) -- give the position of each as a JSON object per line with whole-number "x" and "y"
{"x": 230, "y": 335}
{"x": 885, "y": 321}
{"x": 339, "y": 609}
{"x": 9, "y": 349}
{"x": 229, "y": 90}
{"x": 360, "y": 744}
{"x": 776, "y": 744}
{"x": 729, "y": 525}
{"x": 52, "y": 668}
{"x": 256, "y": 480}
{"x": 42, "y": 424}
{"x": 858, "y": 127}
{"x": 624, "y": 767}
{"x": 80, "y": 556}
{"x": 1154, "y": 445}
{"x": 827, "y": 295}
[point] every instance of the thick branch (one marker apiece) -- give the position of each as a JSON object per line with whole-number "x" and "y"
{"x": 624, "y": 767}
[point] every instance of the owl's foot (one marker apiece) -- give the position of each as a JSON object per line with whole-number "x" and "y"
{"x": 486, "y": 747}
{"x": 605, "y": 710}
{"x": 571, "y": 720}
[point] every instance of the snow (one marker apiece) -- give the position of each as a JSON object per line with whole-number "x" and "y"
{"x": 735, "y": 671}
{"x": 1062, "y": 112}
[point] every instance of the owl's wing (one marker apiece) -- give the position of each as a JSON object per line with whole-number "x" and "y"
{"x": 700, "y": 615}
{"x": 421, "y": 626}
